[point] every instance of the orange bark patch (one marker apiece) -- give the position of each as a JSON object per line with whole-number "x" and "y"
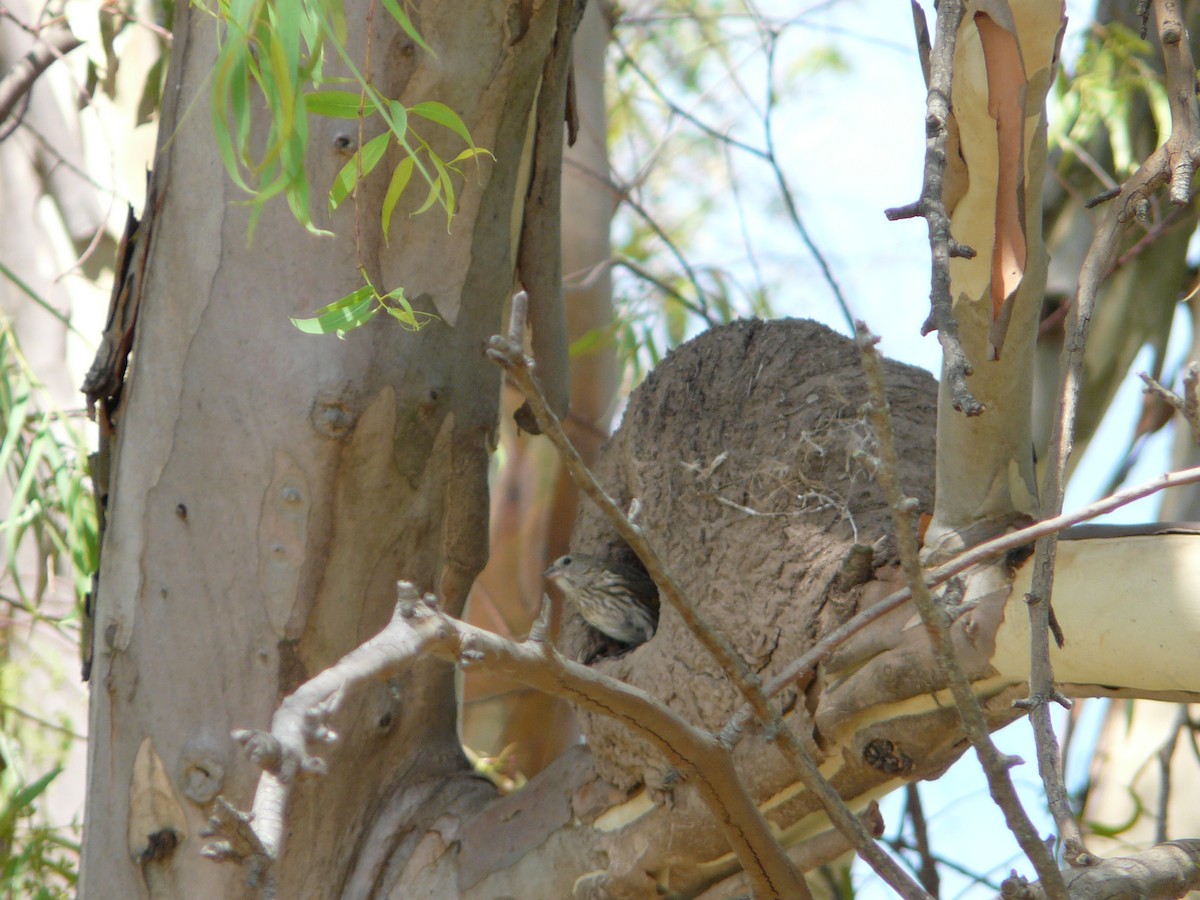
{"x": 1006, "y": 104}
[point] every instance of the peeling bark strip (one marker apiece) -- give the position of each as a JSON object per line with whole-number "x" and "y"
{"x": 1006, "y": 104}
{"x": 104, "y": 382}
{"x": 539, "y": 256}
{"x": 1004, "y": 63}
{"x": 105, "y": 379}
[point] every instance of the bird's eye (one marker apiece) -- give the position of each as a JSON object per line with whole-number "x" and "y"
{"x": 565, "y": 561}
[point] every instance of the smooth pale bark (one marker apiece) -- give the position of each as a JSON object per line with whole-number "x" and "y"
{"x": 1004, "y": 64}
{"x": 270, "y": 486}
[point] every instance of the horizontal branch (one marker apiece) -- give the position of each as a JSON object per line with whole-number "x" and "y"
{"x": 977, "y": 555}
{"x": 1160, "y": 873}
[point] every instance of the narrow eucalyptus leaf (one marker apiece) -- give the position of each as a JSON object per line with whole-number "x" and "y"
{"x": 442, "y": 115}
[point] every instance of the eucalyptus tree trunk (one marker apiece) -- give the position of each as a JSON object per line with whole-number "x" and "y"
{"x": 269, "y": 487}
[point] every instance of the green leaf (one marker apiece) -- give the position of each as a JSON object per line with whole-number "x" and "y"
{"x": 231, "y": 104}
{"x": 591, "y": 340}
{"x": 14, "y": 425}
{"x": 285, "y": 31}
{"x": 37, "y": 298}
{"x": 447, "y": 187}
{"x": 407, "y": 320}
{"x": 362, "y": 162}
{"x": 24, "y": 496}
{"x": 283, "y": 82}
{"x": 352, "y": 311}
{"x": 435, "y": 191}
{"x": 1116, "y": 830}
{"x": 405, "y": 23}
{"x": 396, "y": 116}
{"x": 31, "y": 792}
{"x": 471, "y": 153}
{"x": 400, "y": 178}
{"x": 442, "y": 115}
{"x": 337, "y": 104}
{"x": 402, "y": 311}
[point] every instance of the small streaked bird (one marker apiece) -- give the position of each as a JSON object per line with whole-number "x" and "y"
{"x": 620, "y": 601}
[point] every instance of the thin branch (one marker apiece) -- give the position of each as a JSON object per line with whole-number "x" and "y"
{"x": 789, "y": 201}
{"x": 54, "y": 41}
{"x": 927, "y": 872}
{"x": 899, "y": 844}
{"x": 1188, "y": 405}
{"x": 767, "y": 155}
{"x": 1160, "y": 873}
{"x": 1174, "y": 163}
{"x": 43, "y": 723}
{"x": 625, "y": 195}
{"x": 508, "y": 353}
{"x": 646, "y": 275}
{"x": 955, "y": 366}
{"x": 995, "y": 765}
{"x": 1165, "y": 753}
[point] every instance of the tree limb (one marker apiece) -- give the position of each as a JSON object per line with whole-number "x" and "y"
{"x": 1164, "y": 872}
{"x": 54, "y": 41}
{"x": 418, "y": 628}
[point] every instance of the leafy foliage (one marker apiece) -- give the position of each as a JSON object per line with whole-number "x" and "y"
{"x": 1114, "y": 79}
{"x": 270, "y": 54}
{"x": 359, "y": 307}
{"x": 50, "y": 523}
{"x": 51, "y": 503}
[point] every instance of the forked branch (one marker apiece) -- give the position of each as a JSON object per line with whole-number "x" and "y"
{"x": 418, "y": 629}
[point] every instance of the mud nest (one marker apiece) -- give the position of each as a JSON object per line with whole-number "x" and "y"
{"x": 752, "y": 461}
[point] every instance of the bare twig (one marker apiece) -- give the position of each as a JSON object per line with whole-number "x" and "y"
{"x": 625, "y": 195}
{"x": 1174, "y": 164}
{"x": 1165, "y": 753}
{"x": 785, "y": 191}
{"x": 508, "y": 354}
{"x": 955, "y": 367}
{"x": 927, "y": 872}
{"x": 904, "y": 513}
{"x": 646, "y": 275}
{"x": 765, "y": 154}
{"x": 1188, "y": 405}
{"x": 1159, "y": 873}
{"x": 54, "y": 41}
